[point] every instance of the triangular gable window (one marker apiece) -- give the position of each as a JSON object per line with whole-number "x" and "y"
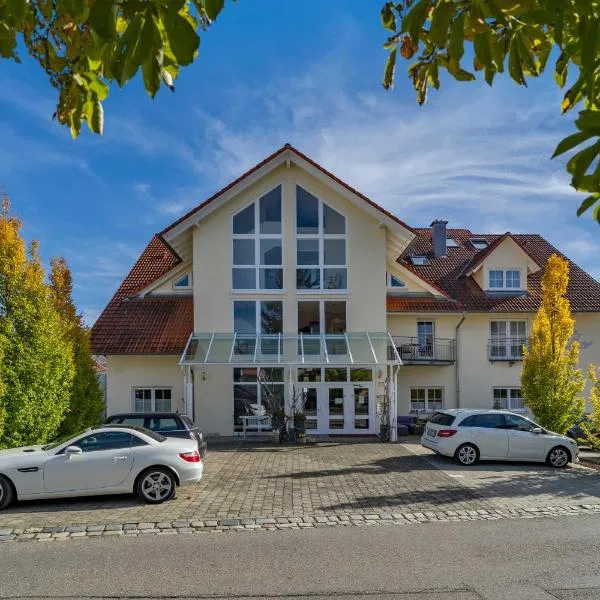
{"x": 394, "y": 282}
{"x": 182, "y": 282}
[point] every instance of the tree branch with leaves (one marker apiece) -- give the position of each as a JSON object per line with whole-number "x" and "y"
{"x": 517, "y": 36}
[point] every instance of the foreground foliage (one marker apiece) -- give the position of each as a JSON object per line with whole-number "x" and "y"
{"x": 550, "y": 380}
{"x": 514, "y": 36}
{"x": 36, "y": 355}
{"x": 592, "y": 429}
{"x": 86, "y": 45}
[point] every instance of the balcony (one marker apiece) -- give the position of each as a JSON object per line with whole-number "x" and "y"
{"x": 436, "y": 351}
{"x": 506, "y": 348}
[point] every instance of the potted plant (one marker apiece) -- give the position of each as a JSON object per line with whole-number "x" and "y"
{"x": 300, "y": 424}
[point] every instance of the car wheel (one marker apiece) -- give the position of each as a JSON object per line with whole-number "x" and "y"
{"x": 466, "y": 455}
{"x": 6, "y": 492}
{"x": 156, "y": 485}
{"x": 558, "y": 457}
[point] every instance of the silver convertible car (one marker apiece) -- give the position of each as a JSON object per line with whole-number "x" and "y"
{"x": 113, "y": 459}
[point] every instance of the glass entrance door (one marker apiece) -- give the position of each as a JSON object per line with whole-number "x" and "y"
{"x": 350, "y": 408}
{"x": 312, "y": 409}
{"x": 337, "y": 409}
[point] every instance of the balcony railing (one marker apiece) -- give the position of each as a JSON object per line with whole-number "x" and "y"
{"x": 416, "y": 351}
{"x": 506, "y": 348}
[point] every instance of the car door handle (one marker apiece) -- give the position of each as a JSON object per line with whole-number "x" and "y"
{"x": 117, "y": 458}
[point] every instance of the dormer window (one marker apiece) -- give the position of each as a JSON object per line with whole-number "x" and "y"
{"x": 479, "y": 243}
{"x": 419, "y": 260}
{"x": 451, "y": 243}
{"x": 504, "y": 279}
{"x": 183, "y": 283}
{"x": 394, "y": 282}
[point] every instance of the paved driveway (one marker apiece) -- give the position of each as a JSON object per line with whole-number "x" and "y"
{"x": 327, "y": 479}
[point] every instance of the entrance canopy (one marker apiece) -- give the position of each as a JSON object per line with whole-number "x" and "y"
{"x": 363, "y": 349}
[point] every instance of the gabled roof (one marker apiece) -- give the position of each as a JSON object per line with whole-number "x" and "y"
{"x": 448, "y": 273}
{"x": 489, "y": 250}
{"x": 152, "y": 325}
{"x": 294, "y": 151}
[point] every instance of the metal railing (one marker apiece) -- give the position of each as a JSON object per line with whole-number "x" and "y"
{"x": 506, "y": 348}
{"x": 415, "y": 350}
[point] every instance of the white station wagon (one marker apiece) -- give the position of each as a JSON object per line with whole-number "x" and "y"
{"x": 112, "y": 459}
{"x": 469, "y": 435}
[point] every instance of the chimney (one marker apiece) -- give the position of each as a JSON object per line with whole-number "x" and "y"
{"x": 438, "y": 237}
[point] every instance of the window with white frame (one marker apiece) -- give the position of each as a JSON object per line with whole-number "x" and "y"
{"x": 504, "y": 279}
{"x": 507, "y": 339}
{"x": 321, "y": 316}
{"x": 254, "y": 390}
{"x": 419, "y": 260}
{"x": 451, "y": 243}
{"x": 257, "y": 316}
{"x": 508, "y": 398}
{"x": 426, "y": 399}
{"x": 394, "y": 282}
{"x": 321, "y": 261}
{"x": 183, "y": 283}
{"x": 479, "y": 243}
{"x": 151, "y": 400}
{"x": 258, "y": 244}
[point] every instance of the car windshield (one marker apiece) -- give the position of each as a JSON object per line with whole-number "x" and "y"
{"x": 62, "y": 440}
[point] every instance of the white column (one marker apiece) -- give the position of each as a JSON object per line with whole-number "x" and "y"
{"x": 393, "y": 403}
{"x": 188, "y": 392}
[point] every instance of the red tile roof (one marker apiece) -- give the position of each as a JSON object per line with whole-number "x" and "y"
{"x": 448, "y": 274}
{"x": 150, "y": 325}
{"x": 269, "y": 159}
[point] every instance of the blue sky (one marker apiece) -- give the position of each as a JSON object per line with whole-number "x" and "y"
{"x": 271, "y": 73}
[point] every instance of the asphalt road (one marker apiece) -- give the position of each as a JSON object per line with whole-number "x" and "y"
{"x": 532, "y": 559}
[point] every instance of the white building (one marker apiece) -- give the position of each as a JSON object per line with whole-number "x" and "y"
{"x": 290, "y": 274}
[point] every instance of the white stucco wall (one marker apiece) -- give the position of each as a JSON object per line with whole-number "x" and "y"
{"x": 127, "y": 372}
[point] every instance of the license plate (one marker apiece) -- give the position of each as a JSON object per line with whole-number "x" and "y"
{"x": 431, "y": 432}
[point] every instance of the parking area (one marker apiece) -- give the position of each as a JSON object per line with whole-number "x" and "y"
{"x": 325, "y": 479}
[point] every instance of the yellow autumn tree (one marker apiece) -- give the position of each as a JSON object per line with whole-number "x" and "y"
{"x": 550, "y": 380}
{"x": 592, "y": 427}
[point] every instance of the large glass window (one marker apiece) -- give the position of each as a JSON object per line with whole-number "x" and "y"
{"x": 257, "y": 316}
{"x": 257, "y": 245}
{"x": 152, "y": 400}
{"x": 320, "y": 244}
{"x": 256, "y": 392}
{"x": 321, "y": 316}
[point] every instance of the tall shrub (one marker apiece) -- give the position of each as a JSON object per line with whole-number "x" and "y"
{"x": 36, "y": 358}
{"x": 550, "y": 381}
{"x": 592, "y": 429}
{"x": 86, "y": 403}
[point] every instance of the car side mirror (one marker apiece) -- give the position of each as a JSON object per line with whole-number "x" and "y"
{"x": 537, "y": 430}
{"x": 69, "y": 450}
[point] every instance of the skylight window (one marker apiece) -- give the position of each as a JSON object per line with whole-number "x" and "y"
{"x": 451, "y": 243}
{"x": 419, "y": 260}
{"x": 479, "y": 244}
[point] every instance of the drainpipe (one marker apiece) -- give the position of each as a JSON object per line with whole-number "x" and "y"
{"x": 456, "y": 367}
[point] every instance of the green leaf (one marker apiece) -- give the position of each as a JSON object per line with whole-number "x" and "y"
{"x": 184, "y": 41}
{"x": 213, "y": 8}
{"x": 388, "y": 18}
{"x": 589, "y": 120}
{"x": 96, "y": 121}
{"x": 589, "y": 52}
{"x": 561, "y": 69}
{"x": 580, "y": 163}
{"x": 573, "y": 95}
{"x": 587, "y": 203}
{"x": 456, "y": 48}
{"x": 570, "y": 142}
{"x": 77, "y": 9}
{"x": 153, "y": 65}
{"x": 514, "y": 63}
{"x": 390, "y": 69}
{"x": 490, "y": 73}
{"x": 526, "y": 53}
{"x": 440, "y": 22}
{"x": 103, "y": 18}
{"x": 413, "y": 21}
{"x": 483, "y": 51}
{"x": 433, "y": 75}
{"x": 17, "y": 10}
